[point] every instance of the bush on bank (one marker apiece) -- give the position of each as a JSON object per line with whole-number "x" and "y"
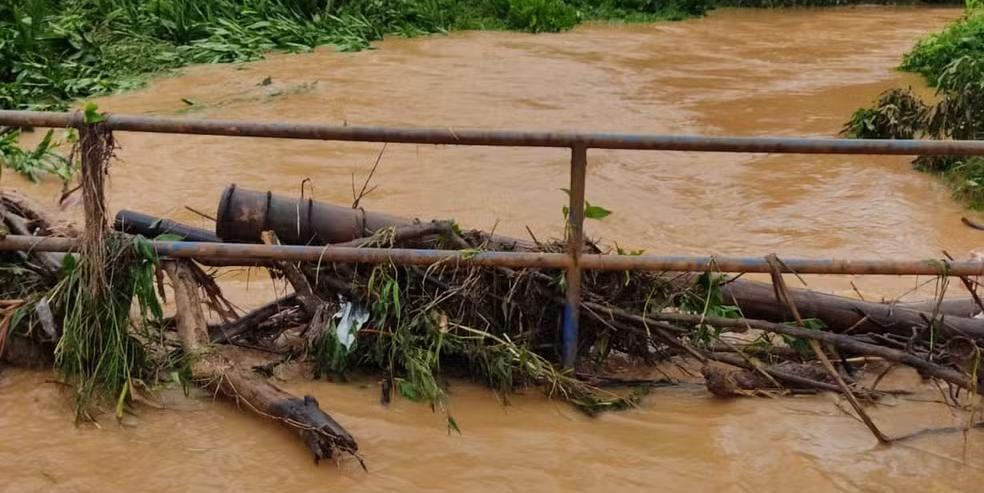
{"x": 931, "y": 56}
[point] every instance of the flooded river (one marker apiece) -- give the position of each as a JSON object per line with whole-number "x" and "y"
{"x": 736, "y": 72}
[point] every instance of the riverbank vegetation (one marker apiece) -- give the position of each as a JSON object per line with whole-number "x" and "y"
{"x": 55, "y": 51}
{"x": 953, "y": 62}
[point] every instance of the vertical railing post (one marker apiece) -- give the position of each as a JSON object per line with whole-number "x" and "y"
{"x": 575, "y": 242}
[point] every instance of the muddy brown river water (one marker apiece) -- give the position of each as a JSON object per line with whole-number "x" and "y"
{"x": 736, "y": 72}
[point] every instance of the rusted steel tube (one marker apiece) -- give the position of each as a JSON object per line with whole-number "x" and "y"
{"x": 243, "y": 214}
{"x": 448, "y": 136}
{"x": 794, "y": 265}
{"x": 349, "y": 255}
{"x": 518, "y": 259}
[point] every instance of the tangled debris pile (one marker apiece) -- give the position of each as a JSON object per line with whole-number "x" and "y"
{"x": 419, "y": 326}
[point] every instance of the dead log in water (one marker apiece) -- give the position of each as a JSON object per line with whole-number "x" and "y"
{"x": 35, "y": 270}
{"x": 758, "y": 301}
{"x": 45, "y": 223}
{"x": 217, "y": 371}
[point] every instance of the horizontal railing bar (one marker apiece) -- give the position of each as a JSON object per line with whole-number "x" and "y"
{"x": 792, "y": 265}
{"x": 252, "y": 252}
{"x": 449, "y": 136}
{"x": 348, "y": 255}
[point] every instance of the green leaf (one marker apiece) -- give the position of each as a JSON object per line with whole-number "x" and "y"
{"x": 408, "y": 390}
{"x": 596, "y": 212}
{"x": 395, "y": 289}
{"x": 122, "y": 400}
{"x": 453, "y": 426}
{"x": 69, "y": 262}
{"x": 91, "y": 114}
{"x": 144, "y": 248}
{"x": 169, "y": 237}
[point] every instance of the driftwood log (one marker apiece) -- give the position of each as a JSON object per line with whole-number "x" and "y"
{"x": 217, "y": 371}
{"x": 757, "y": 300}
{"x": 20, "y": 214}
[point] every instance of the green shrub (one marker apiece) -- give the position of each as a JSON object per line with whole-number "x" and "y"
{"x": 541, "y": 15}
{"x": 960, "y": 112}
{"x": 898, "y": 114}
{"x": 642, "y": 10}
{"x": 931, "y": 56}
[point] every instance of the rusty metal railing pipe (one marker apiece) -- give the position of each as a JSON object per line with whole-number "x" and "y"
{"x": 449, "y": 136}
{"x": 252, "y": 252}
{"x": 180, "y": 249}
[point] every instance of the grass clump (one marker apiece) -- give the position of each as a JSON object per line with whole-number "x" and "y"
{"x": 541, "y": 15}
{"x": 97, "y": 351}
{"x": 643, "y": 10}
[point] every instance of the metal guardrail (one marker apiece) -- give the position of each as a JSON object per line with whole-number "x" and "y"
{"x": 579, "y": 143}
{"x": 404, "y": 256}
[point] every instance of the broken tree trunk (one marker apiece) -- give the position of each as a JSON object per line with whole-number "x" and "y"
{"x": 757, "y": 301}
{"x": 217, "y": 371}
{"x": 44, "y": 223}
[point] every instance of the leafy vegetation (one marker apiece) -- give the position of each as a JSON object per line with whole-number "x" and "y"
{"x": 826, "y": 3}
{"x": 932, "y": 56}
{"x": 97, "y": 350}
{"x": 423, "y": 331}
{"x": 898, "y": 114}
{"x": 43, "y": 159}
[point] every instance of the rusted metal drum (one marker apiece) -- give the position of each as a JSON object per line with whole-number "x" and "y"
{"x": 243, "y": 214}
